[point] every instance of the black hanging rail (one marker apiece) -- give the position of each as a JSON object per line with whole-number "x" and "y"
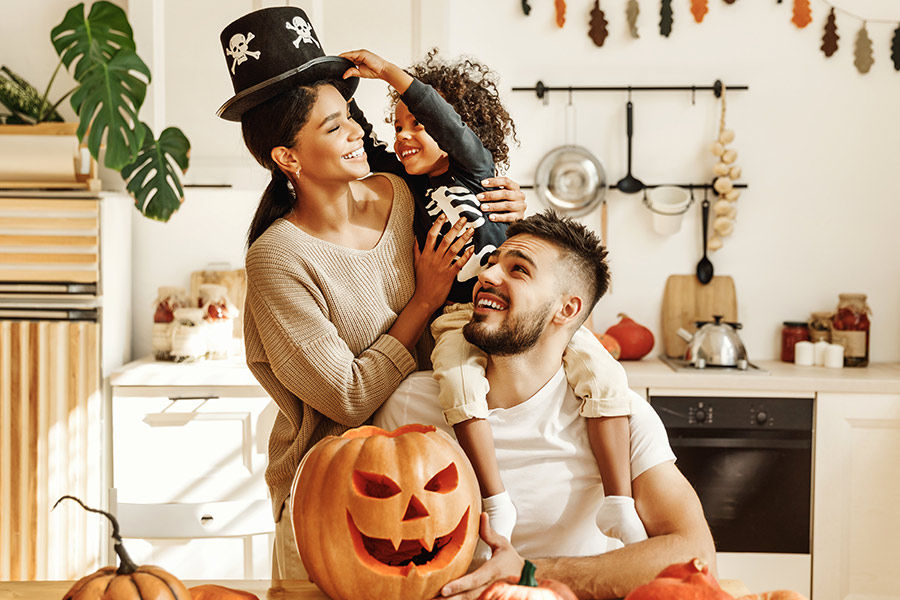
{"x": 541, "y": 90}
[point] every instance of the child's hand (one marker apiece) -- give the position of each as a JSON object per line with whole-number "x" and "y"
{"x": 505, "y": 204}
{"x": 440, "y": 261}
{"x": 368, "y": 64}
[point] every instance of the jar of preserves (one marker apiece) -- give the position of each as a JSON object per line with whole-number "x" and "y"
{"x": 189, "y": 335}
{"x": 820, "y": 327}
{"x": 850, "y": 329}
{"x": 791, "y": 333}
{"x": 219, "y": 313}
{"x": 168, "y": 300}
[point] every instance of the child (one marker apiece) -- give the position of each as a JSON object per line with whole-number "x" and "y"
{"x": 450, "y": 134}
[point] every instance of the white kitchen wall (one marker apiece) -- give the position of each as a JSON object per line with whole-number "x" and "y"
{"x": 817, "y": 142}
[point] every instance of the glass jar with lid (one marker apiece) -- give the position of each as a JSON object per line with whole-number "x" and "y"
{"x": 791, "y": 333}
{"x": 820, "y": 326}
{"x": 850, "y": 329}
{"x": 168, "y": 300}
{"x": 189, "y": 335}
{"x": 219, "y": 313}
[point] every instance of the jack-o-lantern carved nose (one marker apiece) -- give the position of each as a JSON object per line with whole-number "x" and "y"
{"x": 415, "y": 510}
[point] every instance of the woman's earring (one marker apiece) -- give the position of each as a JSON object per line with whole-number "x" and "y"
{"x": 297, "y": 172}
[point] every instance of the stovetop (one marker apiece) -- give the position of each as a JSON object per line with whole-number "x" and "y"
{"x": 682, "y": 366}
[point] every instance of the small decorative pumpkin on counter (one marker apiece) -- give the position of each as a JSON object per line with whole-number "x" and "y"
{"x": 611, "y": 344}
{"x": 682, "y": 581}
{"x": 527, "y": 588}
{"x": 635, "y": 340}
{"x": 381, "y": 514}
{"x": 209, "y": 591}
{"x": 129, "y": 581}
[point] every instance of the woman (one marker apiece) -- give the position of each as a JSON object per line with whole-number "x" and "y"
{"x": 335, "y": 302}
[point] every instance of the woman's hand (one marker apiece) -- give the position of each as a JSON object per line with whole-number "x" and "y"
{"x": 438, "y": 264}
{"x": 506, "y": 204}
{"x": 504, "y": 562}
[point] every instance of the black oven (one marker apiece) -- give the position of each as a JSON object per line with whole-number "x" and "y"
{"x": 750, "y": 461}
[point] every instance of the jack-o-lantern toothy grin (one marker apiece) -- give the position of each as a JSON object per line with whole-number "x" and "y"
{"x": 385, "y": 514}
{"x": 409, "y": 554}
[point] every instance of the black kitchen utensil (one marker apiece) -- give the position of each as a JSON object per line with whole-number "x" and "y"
{"x": 630, "y": 184}
{"x": 705, "y": 266}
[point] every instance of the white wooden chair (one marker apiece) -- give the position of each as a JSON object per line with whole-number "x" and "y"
{"x": 192, "y": 521}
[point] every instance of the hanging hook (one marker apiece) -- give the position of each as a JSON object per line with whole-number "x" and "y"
{"x": 693, "y": 95}
{"x": 570, "y": 96}
{"x": 629, "y": 93}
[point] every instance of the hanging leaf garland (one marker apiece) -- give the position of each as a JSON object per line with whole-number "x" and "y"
{"x": 560, "y": 12}
{"x": 863, "y": 57}
{"x": 802, "y": 14}
{"x": 632, "y": 10}
{"x": 699, "y": 8}
{"x": 895, "y": 47}
{"x": 665, "y": 18}
{"x": 598, "y": 30}
{"x": 831, "y": 37}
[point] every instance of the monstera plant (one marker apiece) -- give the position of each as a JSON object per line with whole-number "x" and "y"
{"x": 98, "y": 49}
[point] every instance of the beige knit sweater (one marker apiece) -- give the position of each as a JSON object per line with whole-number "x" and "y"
{"x": 315, "y": 322}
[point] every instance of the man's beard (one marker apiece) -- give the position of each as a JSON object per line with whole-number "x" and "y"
{"x": 515, "y": 335}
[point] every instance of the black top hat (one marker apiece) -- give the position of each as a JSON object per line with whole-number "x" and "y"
{"x": 271, "y": 50}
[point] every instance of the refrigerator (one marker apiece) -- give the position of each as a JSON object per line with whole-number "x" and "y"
{"x": 65, "y": 324}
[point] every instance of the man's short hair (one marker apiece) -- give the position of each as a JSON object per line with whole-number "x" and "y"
{"x": 581, "y": 250}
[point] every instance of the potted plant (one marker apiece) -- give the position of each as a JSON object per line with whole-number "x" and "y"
{"x": 111, "y": 83}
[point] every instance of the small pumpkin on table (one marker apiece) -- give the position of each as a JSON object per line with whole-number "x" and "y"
{"x": 528, "y": 587}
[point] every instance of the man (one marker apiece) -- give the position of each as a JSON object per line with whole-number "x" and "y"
{"x": 539, "y": 287}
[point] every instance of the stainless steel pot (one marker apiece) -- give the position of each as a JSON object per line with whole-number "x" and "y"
{"x": 571, "y": 180}
{"x": 715, "y": 343}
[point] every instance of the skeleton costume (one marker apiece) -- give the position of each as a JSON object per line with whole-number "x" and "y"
{"x": 451, "y": 193}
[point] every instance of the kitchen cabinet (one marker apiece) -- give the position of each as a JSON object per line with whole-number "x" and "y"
{"x": 187, "y": 92}
{"x": 64, "y": 324}
{"x": 856, "y": 535}
{"x": 190, "y": 442}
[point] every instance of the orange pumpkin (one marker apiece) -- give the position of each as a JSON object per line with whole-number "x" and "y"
{"x": 211, "y": 591}
{"x": 129, "y": 581}
{"x": 635, "y": 340}
{"x": 527, "y": 587}
{"x": 682, "y": 581}
{"x": 381, "y": 514}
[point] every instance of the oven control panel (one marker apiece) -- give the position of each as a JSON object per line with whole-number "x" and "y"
{"x": 734, "y": 413}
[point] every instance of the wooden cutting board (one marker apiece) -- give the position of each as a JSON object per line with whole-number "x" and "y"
{"x": 686, "y": 300}
{"x": 235, "y": 280}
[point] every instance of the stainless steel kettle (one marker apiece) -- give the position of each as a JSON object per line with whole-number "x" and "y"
{"x": 715, "y": 343}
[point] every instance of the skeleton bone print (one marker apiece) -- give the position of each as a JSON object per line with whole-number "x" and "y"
{"x": 238, "y": 48}
{"x": 303, "y": 31}
{"x": 456, "y": 202}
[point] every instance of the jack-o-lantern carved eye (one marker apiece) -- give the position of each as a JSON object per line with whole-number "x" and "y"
{"x": 445, "y": 481}
{"x": 374, "y": 485}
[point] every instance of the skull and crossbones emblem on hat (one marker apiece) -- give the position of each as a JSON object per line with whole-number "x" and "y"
{"x": 238, "y": 48}
{"x": 303, "y": 31}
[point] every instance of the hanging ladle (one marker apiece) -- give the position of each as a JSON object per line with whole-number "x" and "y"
{"x": 705, "y": 266}
{"x": 629, "y": 184}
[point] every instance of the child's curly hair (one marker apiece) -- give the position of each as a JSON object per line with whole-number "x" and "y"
{"x": 470, "y": 87}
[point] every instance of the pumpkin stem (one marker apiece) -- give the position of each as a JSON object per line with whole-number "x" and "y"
{"x": 527, "y": 579}
{"x": 126, "y": 565}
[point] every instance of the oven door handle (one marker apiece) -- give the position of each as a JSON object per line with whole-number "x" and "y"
{"x": 738, "y": 443}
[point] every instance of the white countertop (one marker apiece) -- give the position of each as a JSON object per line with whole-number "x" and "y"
{"x": 877, "y": 378}
{"x": 650, "y": 372}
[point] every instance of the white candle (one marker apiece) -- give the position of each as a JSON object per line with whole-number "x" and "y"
{"x": 804, "y": 354}
{"x": 834, "y": 356}
{"x": 820, "y": 348}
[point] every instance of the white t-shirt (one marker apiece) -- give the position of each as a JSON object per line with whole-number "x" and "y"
{"x": 545, "y": 460}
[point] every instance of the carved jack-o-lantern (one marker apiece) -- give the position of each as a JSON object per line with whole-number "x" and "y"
{"x": 381, "y": 514}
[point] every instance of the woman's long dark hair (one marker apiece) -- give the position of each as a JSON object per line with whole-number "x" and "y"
{"x": 274, "y": 123}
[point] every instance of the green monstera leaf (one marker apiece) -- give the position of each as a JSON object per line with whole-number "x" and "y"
{"x": 109, "y": 72}
{"x": 153, "y": 179}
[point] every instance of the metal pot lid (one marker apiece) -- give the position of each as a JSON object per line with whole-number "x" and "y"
{"x": 571, "y": 180}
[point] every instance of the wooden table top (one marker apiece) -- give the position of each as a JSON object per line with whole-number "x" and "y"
{"x": 265, "y": 589}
